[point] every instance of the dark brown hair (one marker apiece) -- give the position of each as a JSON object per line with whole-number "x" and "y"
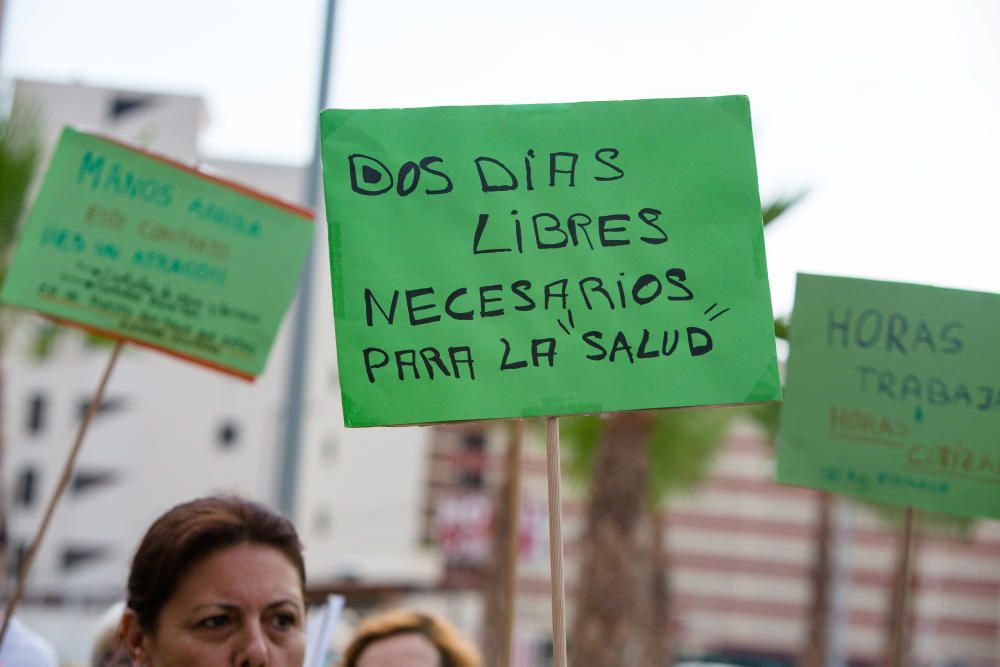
{"x": 192, "y": 531}
{"x": 454, "y": 650}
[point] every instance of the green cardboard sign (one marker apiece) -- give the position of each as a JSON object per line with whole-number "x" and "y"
{"x": 141, "y": 248}
{"x": 892, "y": 394}
{"x": 510, "y": 261}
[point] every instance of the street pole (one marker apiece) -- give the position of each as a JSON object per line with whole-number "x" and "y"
{"x": 3, "y": 6}
{"x": 290, "y": 447}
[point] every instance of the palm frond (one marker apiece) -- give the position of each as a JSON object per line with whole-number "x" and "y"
{"x": 774, "y": 210}
{"x": 580, "y": 437}
{"x": 682, "y": 448}
{"x": 781, "y": 328}
{"x": 19, "y": 155}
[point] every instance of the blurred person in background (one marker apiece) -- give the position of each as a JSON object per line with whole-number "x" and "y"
{"x": 403, "y": 638}
{"x": 22, "y": 646}
{"x": 217, "y": 582}
{"x": 109, "y": 648}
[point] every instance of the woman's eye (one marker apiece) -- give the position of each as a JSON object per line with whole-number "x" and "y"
{"x": 286, "y": 620}
{"x": 214, "y": 622}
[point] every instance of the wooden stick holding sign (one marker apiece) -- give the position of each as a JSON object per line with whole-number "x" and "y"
{"x": 513, "y": 538}
{"x": 900, "y": 612}
{"x": 64, "y": 478}
{"x": 140, "y": 248}
{"x": 556, "y": 543}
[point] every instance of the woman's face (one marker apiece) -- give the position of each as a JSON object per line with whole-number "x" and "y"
{"x": 241, "y": 605}
{"x": 405, "y": 650}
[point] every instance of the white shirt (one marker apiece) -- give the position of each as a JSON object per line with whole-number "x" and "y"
{"x": 23, "y": 647}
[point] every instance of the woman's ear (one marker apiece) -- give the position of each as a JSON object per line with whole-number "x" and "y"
{"x": 135, "y": 638}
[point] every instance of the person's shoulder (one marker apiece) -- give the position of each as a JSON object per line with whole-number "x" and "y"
{"x": 23, "y": 647}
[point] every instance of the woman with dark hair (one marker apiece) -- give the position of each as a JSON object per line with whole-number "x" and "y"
{"x": 217, "y": 582}
{"x": 403, "y": 638}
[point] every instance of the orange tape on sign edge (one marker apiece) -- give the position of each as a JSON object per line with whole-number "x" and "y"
{"x": 152, "y": 346}
{"x": 300, "y": 211}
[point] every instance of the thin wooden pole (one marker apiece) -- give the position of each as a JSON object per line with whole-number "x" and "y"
{"x": 513, "y": 538}
{"x": 556, "y": 545}
{"x": 900, "y": 601}
{"x": 67, "y": 473}
{"x": 817, "y": 647}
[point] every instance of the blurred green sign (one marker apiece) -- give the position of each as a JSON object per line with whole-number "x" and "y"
{"x": 507, "y": 261}
{"x": 892, "y": 394}
{"x": 138, "y": 247}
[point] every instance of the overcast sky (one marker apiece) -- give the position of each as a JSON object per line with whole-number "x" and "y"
{"x": 886, "y": 112}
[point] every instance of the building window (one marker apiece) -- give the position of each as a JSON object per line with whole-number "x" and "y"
{"x": 474, "y": 442}
{"x": 472, "y": 479}
{"x": 122, "y": 105}
{"x": 36, "y": 414}
{"x": 20, "y": 554}
{"x": 75, "y": 556}
{"x": 228, "y": 435}
{"x": 88, "y": 480}
{"x": 26, "y": 489}
{"x": 107, "y": 406}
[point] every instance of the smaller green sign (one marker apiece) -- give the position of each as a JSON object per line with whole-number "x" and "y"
{"x": 138, "y": 247}
{"x": 893, "y": 394}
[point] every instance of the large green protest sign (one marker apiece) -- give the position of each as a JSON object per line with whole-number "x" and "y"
{"x": 506, "y": 261}
{"x": 144, "y": 249}
{"x": 893, "y": 394}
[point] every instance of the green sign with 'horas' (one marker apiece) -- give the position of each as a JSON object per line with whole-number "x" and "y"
{"x": 893, "y": 394}
{"x": 141, "y": 248}
{"x": 512, "y": 261}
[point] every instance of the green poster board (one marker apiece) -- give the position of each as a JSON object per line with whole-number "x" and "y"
{"x": 509, "y": 261}
{"x": 141, "y": 248}
{"x": 893, "y": 394}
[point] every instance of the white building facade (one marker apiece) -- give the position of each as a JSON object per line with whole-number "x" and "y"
{"x": 168, "y": 431}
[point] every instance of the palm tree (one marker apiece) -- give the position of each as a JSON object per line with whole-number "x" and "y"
{"x": 633, "y": 462}
{"x": 18, "y": 157}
